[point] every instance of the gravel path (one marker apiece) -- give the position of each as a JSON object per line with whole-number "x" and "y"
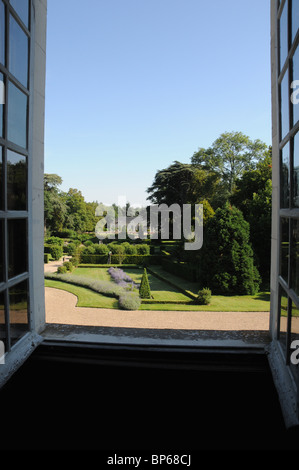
{"x": 61, "y": 308}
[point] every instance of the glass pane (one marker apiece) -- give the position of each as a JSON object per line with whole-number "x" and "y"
{"x": 295, "y": 257}
{"x": 17, "y": 116}
{"x": 285, "y": 177}
{"x": 16, "y": 181}
{"x": 18, "y": 311}
{"x": 17, "y": 247}
{"x": 1, "y": 180}
{"x": 1, "y": 251}
{"x": 2, "y": 33}
{"x": 294, "y": 91}
{"x": 296, "y": 171}
{"x": 283, "y": 318}
{"x": 2, "y": 318}
{"x": 22, "y": 9}
{"x": 295, "y": 18}
{"x": 284, "y": 90}
{"x": 284, "y": 249}
{"x": 2, "y": 101}
{"x": 283, "y": 24}
{"x": 18, "y": 52}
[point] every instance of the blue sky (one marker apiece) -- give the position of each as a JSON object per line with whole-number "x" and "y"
{"x": 133, "y": 85}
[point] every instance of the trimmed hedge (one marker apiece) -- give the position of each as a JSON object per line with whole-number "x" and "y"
{"x": 128, "y": 259}
{"x": 185, "y": 270}
{"x": 173, "y": 302}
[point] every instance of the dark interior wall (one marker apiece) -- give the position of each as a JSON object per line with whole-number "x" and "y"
{"x": 77, "y": 402}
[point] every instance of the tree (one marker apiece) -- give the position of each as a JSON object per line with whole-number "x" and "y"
{"x": 226, "y": 259}
{"x": 230, "y": 155}
{"x": 55, "y": 209}
{"x": 172, "y": 185}
{"x": 253, "y": 196}
{"x": 144, "y": 289}
{"x": 77, "y": 214}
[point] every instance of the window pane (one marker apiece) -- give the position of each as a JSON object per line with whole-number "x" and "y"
{"x": 285, "y": 177}
{"x": 17, "y": 116}
{"x": 17, "y": 247}
{"x": 283, "y": 24}
{"x": 16, "y": 181}
{"x": 22, "y": 9}
{"x": 283, "y": 318}
{"x": 2, "y": 101}
{"x": 294, "y": 91}
{"x": 2, "y": 318}
{"x": 295, "y": 257}
{"x": 18, "y": 311}
{"x": 284, "y": 90}
{"x": 1, "y": 180}
{"x": 18, "y": 52}
{"x": 296, "y": 171}
{"x": 1, "y": 251}
{"x": 2, "y": 33}
{"x": 295, "y": 18}
{"x": 284, "y": 249}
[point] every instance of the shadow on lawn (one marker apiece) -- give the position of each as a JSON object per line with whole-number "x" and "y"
{"x": 262, "y": 296}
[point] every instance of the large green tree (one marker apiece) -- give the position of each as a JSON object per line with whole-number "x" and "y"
{"x": 55, "y": 208}
{"x": 230, "y": 155}
{"x": 226, "y": 259}
{"x": 253, "y": 196}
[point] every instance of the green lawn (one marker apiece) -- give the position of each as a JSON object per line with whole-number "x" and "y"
{"x": 86, "y": 297}
{"x": 161, "y": 290}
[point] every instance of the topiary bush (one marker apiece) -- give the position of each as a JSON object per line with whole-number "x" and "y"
{"x": 129, "y": 301}
{"x": 56, "y": 252}
{"x": 62, "y": 270}
{"x": 144, "y": 289}
{"x": 204, "y": 296}
{"x": 69, "y": 266}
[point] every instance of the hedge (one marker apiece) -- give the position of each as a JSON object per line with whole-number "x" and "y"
{"x": 127, "y": 259}
{"x": 184, "y": 270}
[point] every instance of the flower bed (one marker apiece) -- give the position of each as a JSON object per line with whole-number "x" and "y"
{"x": 121, "y": 278}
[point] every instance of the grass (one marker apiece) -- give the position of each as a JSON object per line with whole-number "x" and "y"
{"x": 86, "y": 297}
{"x": 161, "y": 290}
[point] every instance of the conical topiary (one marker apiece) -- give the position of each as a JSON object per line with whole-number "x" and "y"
{"x": 144, "y": 289}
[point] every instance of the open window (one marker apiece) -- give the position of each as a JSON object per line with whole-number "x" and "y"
{"x": 22, "y": 78}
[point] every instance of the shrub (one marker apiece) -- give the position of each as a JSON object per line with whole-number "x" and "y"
{"x": 62, "y": 270}
{"x": 69, "y": 266}
{"x": 144, "y": 289}
{"x": 204, "y": 296}
{"x": 54, "y": 241}
{"x": 101, "y": 249}
{"x": 71, "y": 248}
{"x": 129, "y": 301}
{"x": 56, "y": 252}
{"x": 46, "y": 257}
{"x": 143, "y": 249}
{"x": 130, "y": 249}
